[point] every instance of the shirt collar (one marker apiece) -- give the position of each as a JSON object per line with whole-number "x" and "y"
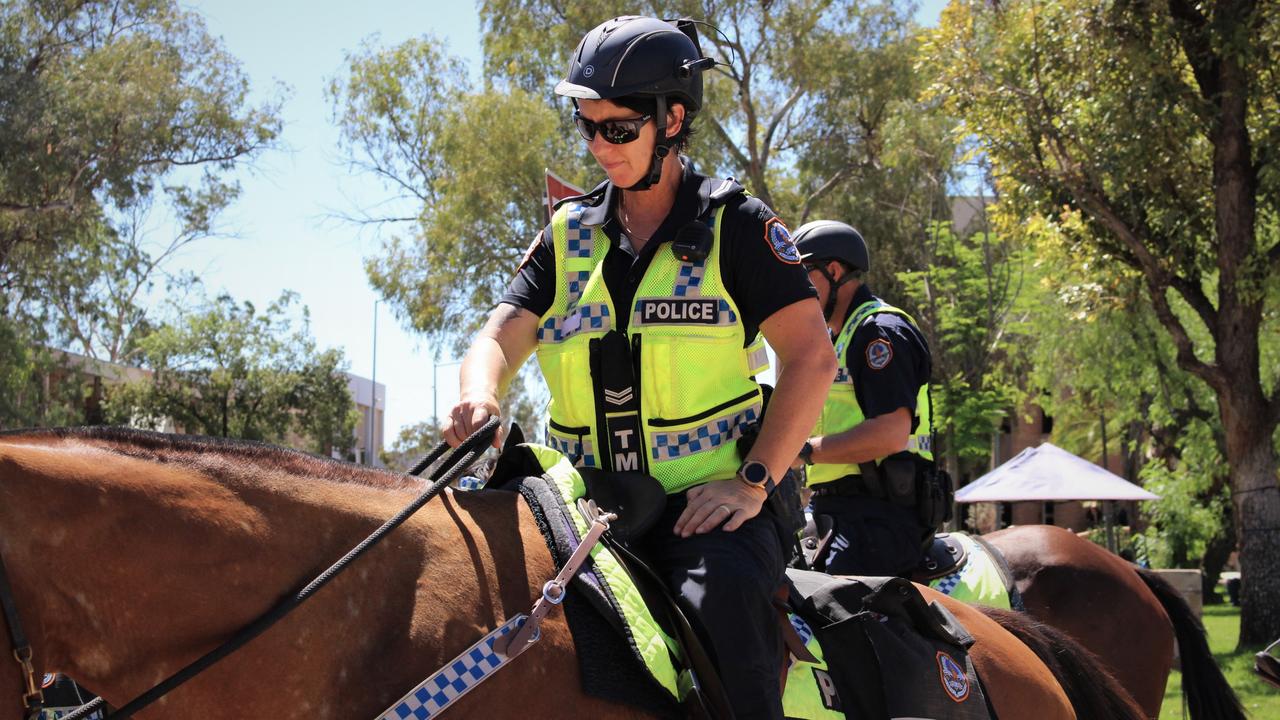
{"x": 692, "y": 199}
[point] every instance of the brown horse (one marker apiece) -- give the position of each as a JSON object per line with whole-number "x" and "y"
{"x": 1127, "y": 616}
{"x": 131, "y": 554}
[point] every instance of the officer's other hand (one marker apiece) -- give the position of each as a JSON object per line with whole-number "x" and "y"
{"x": 731, "y": 502}
{"x": 469, "y": 415}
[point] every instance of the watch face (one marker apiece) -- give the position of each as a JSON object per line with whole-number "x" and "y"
{"x": 755, "y": 472}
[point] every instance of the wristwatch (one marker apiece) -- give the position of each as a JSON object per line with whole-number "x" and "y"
{"x": 754, "y": 472}
{"x": 806, "y": 453}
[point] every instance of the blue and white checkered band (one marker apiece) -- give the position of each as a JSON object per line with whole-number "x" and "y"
{"x": 708, "y": 436}
{"x": 590, "y": 318}
{"x": 576, "y": 280}
{"x": 578, "y": 242}
{"x": 843, "y": 376}
{"x": 656, "y": 311}
{"x": 689, "y": 279}
{"x": 802, "y": 627}
{"x": 973, "y": 552}
{"x": 453, "y": 680}
{"x": 948, "y": 584}
{"x": 582, "y": 453}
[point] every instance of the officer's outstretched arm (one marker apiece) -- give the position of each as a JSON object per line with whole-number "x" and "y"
{"x": 501, "y": 347}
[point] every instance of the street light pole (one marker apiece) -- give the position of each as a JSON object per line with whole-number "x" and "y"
{"x": 373, "y": 391}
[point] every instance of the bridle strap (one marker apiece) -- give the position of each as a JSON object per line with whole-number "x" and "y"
{"x": 32, "y": 695}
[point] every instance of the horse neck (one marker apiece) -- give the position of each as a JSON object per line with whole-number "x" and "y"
{"x": 127, "y": 569}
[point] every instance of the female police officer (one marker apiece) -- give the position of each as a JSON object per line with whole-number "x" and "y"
{"x": 644, "y": 300}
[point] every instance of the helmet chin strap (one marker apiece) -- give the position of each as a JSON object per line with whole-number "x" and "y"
{"x": 661, "y": 149}
{"x": 835, "y": 285}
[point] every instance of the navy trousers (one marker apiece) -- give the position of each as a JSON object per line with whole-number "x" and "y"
{"x": 872, "y": 537}
{"x": 728, "y": 580}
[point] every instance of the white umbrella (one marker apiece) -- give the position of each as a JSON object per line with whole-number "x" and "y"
{"x": 1050, "y": 474}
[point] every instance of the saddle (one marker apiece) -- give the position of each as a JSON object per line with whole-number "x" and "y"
{"x": 811, "y": 621}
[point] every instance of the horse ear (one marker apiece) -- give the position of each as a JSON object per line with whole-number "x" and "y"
{"x": 515, "y": 436}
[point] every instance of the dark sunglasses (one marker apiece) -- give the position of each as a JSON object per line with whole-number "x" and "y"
{"x": 616, "y": 132}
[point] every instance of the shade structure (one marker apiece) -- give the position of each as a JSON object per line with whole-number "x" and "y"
{"x": 1050, "y": 474}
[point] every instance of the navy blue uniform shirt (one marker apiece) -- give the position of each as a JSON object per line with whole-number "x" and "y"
{"x": 889, "y": 360}
{"x": 760, "y": 278}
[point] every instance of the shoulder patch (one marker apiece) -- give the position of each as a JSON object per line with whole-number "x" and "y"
{"x": 529, "y": 253}
{"x": 879, "y": 353}
{"x": 779, "y": 239}
{"x": 954, "y": 679}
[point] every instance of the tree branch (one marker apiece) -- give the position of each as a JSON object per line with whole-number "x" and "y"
{"x": 831, "y": 184}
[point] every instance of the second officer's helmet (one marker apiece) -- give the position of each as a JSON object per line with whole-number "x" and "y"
{"x": 822, "y": 240}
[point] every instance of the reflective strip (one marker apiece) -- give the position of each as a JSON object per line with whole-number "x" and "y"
{"x": 758, "y": 359}
{"x": 689, "y": 279}
{"x": 843, "y": 377}
{"x": 708, "y": 436}
{"x": 920, "y": 443}
{"x": 593, "y": 317}
{"x": 582, "y": 453}
{"x": 455, "y": 679}
{"x": 575, "y": 281}
{"x": 578, "y": 242}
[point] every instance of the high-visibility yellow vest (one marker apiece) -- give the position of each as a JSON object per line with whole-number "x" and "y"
{"x": 695, "y": 379}
{"x": 841, "y": 411}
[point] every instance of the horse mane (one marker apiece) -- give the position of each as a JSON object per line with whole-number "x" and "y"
{"x": 1092, "y": 690}
{"x": 194, "y": 451}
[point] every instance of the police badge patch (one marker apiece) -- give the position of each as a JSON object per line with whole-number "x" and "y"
{"x": 954, "y": 679}
{"x": 879, "y": 353}
{"x": 779, "y": 239}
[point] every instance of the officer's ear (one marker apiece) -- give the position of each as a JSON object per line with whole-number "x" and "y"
{"x": 675, "y": 119}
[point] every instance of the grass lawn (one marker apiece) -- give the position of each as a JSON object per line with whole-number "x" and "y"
{"x": 1261, "y": 701}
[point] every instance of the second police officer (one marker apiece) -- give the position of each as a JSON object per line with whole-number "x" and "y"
{"x": 871, "y": 460}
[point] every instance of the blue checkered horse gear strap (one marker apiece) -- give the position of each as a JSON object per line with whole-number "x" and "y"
{"x": 708, "y": 436}
{"x": 455, "y": 679}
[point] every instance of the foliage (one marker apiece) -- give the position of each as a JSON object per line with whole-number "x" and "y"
{"x": 110, "y": 109}
{"x": 413, "y": 442}
{"x": 227, "y": 370}
{"x": 103, "y": 100}
{"x": 1154, "y": 129}
{"x": 1222, "y": 625}
{"x": 966, "y": 294}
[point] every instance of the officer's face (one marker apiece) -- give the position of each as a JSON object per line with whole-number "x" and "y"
{"x": 625, "y": 164}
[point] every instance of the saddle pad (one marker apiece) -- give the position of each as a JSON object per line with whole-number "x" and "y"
{"x": 981, "y": 580}
{"x": 887, "y": 653}
{"x": 603, "y": 582}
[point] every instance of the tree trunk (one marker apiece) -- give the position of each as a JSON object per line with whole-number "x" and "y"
{"x": 1216, "y": 554}
{"x": 1255, "y": 499}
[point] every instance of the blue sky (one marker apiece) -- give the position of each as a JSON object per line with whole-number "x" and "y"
{"x": 280, "y": 233}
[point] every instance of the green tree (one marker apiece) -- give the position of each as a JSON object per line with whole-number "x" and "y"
{"x": 109, "y": 109}
{"x": 966, "y": 296}
{"x": 229, "y": 371}
{"x": 1159, "y": 124}
{"x": 103, "y": 101}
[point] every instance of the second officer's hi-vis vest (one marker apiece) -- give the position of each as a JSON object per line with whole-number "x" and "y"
{"x": 842, "y": 411}
{"x": 672, "y": 395}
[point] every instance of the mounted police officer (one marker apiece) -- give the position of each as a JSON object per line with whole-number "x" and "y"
{"x": 645, "y": 300}
{"x": 871, "y": 460}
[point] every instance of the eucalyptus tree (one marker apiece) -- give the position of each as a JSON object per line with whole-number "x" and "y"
{"x": 1156, "y": 128}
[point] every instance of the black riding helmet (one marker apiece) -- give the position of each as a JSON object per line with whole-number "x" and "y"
{"x": 643, "y": 56}
{"x": 823, "y": 240}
